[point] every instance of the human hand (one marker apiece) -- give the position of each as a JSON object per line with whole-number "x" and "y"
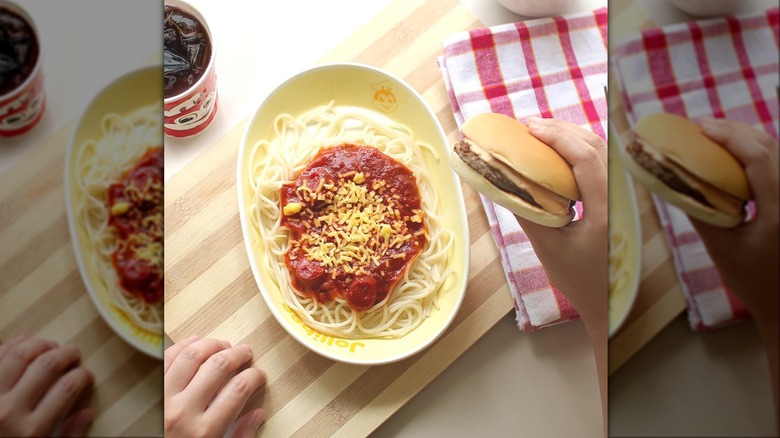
{"x": 575, "y": 256}
{"x": 747, "y": 256}
{"x": 39, "y": 385}
{"x": 205, "y": 392}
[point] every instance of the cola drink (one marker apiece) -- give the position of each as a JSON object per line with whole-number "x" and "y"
{"x": 19, "y": 50}
{"x": 187, "y": 50}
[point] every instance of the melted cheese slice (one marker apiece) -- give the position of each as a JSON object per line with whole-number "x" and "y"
{"x": 550, "y": 201}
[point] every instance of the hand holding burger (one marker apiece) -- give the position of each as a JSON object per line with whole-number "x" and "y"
{"x": 536, "y": 171}
{"x": 503, "y": 161}
{"x": 747, "y": 256}
{"x": 671, "y": 157}
{"x": 575, "y": 257}
{"x": 710, "y": 171}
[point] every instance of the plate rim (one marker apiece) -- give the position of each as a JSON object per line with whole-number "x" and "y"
{"x": 636, "y": 231}
{"x": 247, "y": 241}
{"x": 105, "y": 313}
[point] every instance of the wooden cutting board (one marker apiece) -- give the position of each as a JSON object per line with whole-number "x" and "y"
{"x": 660, "y": 298}
{"x": 42, "y": 294}
{"x": 210, "y": 290}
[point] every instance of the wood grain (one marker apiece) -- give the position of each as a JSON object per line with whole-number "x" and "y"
{"x": 660, "y": 298}
{"x": 42, "y": 294}
{"x": 210, "y": 290}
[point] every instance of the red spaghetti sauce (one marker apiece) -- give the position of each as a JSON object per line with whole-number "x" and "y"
{"x": 135, "y": 206}
{"x": 356, "y": 225}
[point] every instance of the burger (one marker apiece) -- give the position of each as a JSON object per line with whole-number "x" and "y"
{"x": 503, "y": 161}
{"x": 672, "y": 158}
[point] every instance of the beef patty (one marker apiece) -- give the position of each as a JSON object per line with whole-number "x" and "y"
{"x": 495, "y": 176}
{"x": 666, "y": 175}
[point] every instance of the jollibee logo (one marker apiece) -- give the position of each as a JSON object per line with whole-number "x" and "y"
{"x": 384, "y": 99}
{"x": 192, "y": 114}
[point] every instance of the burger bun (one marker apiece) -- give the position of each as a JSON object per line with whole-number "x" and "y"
{"x": 683, "y": 145}
{"x": 505, "y": 199}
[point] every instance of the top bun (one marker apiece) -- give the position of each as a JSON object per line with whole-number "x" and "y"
{"x": 509, "y": 141}
{"x": 682, "y": 141}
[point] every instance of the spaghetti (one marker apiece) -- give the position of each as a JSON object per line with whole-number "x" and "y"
{"x": 298, "y": 144}
{"x": 119, "y": 213}
{"x": 618, "y": 248}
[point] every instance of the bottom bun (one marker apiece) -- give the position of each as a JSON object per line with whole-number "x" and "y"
{"x": 685, "y": 203}
{"x": 507, "y": 200}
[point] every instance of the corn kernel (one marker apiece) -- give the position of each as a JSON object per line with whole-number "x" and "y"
{"x": 120, "y": 208}
{"x": 292, "y": 208}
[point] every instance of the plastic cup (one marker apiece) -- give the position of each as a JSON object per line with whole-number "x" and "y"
{"x": 22, "y": 108}
{"x": 190, "y": 112}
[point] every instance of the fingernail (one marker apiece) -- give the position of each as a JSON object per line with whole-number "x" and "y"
{"x": 192, "y": 338}
{"x": 20, "y": 338}
{"x": 246, "y": 348}
{"x": 226, "y": 344}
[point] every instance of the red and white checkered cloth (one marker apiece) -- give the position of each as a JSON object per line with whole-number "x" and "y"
{"x": 552, "y": 67}
{"x": 725, "y": 67}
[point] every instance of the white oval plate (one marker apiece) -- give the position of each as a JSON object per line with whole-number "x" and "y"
{"x": 123, "y": 96}
{"x": 355, "y": 85}
{"x": 623, "y": 217}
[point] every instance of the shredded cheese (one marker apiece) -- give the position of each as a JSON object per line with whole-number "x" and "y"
{"x": 151, "y": 252}
{"x": 358, "y": 224}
